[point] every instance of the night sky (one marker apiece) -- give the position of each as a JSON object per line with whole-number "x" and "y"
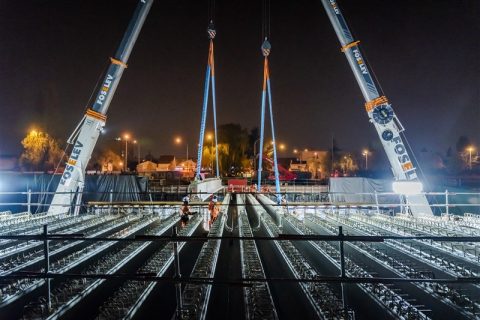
{"x": 424, "y": 53}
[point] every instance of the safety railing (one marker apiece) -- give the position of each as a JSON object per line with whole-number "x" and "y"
{"x": 457, "y": 235}
{"x": 309, "y": 280}
{"x": 445, "y": 203}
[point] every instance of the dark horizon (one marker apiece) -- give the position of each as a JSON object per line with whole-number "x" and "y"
{"x": 423, "y": 54}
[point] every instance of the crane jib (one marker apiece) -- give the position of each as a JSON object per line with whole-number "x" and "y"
{"x": 404, "y": 159}
{"x": 94, "y": 120}
{"x": 347, "y": 35}
{"x": 72, "y": 161}
{"x": 102, "y": 95}
{"x": 380, "y": 112}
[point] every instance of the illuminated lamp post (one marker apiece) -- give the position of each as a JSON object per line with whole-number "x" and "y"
{"x": 365, "y": 154}
{"x": 470, "y": 149}
{"x": 126, "y": 137}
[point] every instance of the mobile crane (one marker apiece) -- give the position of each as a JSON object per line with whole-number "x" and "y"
{"x": 381, "y": 114}
{"x": 86, "y": 134}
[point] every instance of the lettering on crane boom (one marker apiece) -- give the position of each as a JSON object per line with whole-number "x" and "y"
{"x": 358, "y": 57}
{"x": 67, "y": 174}
{"x": 334, "y": 5}
{"x": 404, "y": 159}
{"x": 103, "y": 93}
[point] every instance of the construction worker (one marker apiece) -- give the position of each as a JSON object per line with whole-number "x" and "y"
{"x": 212, "y": 207}
{"x": 185, "y": 210}
{"x": 283, "y": 202}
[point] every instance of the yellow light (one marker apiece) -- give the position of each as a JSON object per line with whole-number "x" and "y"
{"x": 34, "y": 132}
{"x": 209, "y": 136}
{"x": 282, "y": 146}
{"x": 126, "y": 136}
{"x": 365, "y": 152}
{"x": 178, "y": 140}
{"x": 470, "y": 149}
{"x": 306, "y": 150}
{"x": 295, "y": 151}
{"x": 135, "y": 141}
{"x": 120, "y": 164}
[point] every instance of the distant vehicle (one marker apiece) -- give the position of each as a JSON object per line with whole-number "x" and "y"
{"x": 284, "y": 174}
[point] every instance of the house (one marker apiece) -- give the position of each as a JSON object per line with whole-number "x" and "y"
{"x": 298, "y": 166}
{"x": 146, "y": 166}
{"x": 166, "y": 163}
{"x": 316, "y": 162}
{"x": 187, "y": 166}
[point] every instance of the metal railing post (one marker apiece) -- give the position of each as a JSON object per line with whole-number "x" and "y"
{"x": 446, "y": 202}
{"x": 342, "y": 254}
{"x": 78, "y": 201}
{"x": 29, "y": 200}
{"x": 342, "y": 267}
{"x": 178, "y": 285}
{"x": 47, "y": 266}
{"x": 110, "y": 199}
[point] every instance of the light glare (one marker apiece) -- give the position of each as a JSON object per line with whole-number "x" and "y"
{"x": 407, "y": 187}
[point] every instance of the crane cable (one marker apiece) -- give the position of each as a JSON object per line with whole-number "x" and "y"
{"x": 209, "y": 78}
{"x": 266, "y": 49}
{"x": 266, "y": 19}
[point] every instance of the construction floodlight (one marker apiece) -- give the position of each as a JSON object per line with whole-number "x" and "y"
{"x": 407, "y": 187}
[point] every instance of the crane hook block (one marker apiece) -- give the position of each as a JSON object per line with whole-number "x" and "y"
{"x": 266, "y": 48}
{"x": 211, "y": 31}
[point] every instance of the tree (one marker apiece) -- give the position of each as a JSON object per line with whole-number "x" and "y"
{"x": 462, "y": 144}
{"x": 105, "y": 157}
{"x": 459, "y": 160}
{"x": 41, "y": 152}
{"x": 235, "y": 139}
{"x": 208, "y": 157}
{"x": 348, "y": 164}
{"x": 223, "y": 152}
{"x": 253, "y": 136}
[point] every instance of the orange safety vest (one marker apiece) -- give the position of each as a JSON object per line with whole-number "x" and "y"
{"x": 211, "y": 205}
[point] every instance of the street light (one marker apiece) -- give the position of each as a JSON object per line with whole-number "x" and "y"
{"x": 126, "y": 137}
{"x": 470, "y": 149}
{"x": 210, "y": 138}
{"x": 365, "y": 154}
{"x": 282, "y": 146}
